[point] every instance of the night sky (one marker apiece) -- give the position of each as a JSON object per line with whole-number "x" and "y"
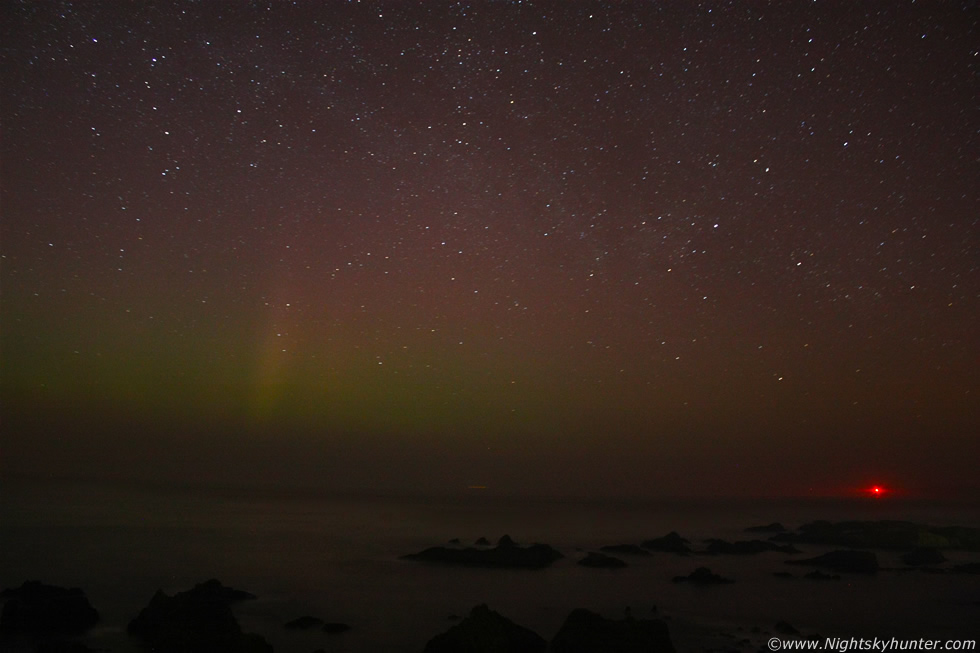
{"x": 634, "y": 248}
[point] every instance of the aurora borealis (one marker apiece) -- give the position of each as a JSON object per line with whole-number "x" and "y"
{"x": 641, "y": 247}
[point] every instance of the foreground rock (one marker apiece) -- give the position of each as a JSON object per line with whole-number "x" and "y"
{"x": 671, "y": 542}
{"x": 748, "y": 547}
{"x": 507, "y": 554}
{"x": 855, "y": 562}
{"x": 588, "y": 632}
{"x": 485, "y": 631}
{"x": 703, "y": 576}
{"x": 601, "y": 561}
{"x": 885, "y": 535}
{"x": 774, "y": 527}
{"x": 39, "y": 609}
{"x": 199, "y": 620}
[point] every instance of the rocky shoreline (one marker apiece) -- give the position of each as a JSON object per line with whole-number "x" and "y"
{"x": 201, "y": 620}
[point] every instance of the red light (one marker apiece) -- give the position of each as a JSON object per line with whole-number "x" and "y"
{"x": 876, "y": 490}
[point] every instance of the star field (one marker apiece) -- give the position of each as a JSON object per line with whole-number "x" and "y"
{"x": 638, "y": 245}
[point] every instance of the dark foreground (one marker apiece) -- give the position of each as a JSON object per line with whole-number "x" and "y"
{"x": 48, "y": 619}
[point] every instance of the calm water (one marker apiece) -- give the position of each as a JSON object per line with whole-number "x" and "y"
{"x": 337, "y": 558}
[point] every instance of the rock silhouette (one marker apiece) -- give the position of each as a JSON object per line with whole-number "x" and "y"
{"x": 625, "y": 549}
{"x": 602, "y": 561}
{"x": 199, "y": 620}
{"x": 923, "y": 556}
{"x": 587, "y": 632}
{"x": 36, "y": 608}
{"x": 855, "y": 562}
{"x": 485, "y": 631}
{"x": 748, "y": 547}
{"x": 703, "y": 576}
{"x": 774, "y": 527}
{"x": 303, "y": 623}
{"x": 507, "y": 554}
{"x": 671, "y": 542}
{"x": 886, "y": 534}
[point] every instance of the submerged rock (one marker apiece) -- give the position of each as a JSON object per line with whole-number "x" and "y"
{"x": 703, "y": 576}
{"x": 923, "y": 556}
{"x": 199, "y": 620}
{"x": 671, "y": 542}
{"x": 588, "y": 632}
{"x": 507, "y": 554}
{"x": 855, "y": 562}
{"x": 36, "y": 608}
{"x": 600, "y": 560}
{"x": 485, "y": 631}
{"x": 748, "y": 547}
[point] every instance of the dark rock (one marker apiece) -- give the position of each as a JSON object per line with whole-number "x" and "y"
{"x": 774, "y": 527}
{"x": 335, "y": 628}
{"x": 819, "y": 575}
{"x": 671, "y": 543}
{"x": 214, "y": 590}
{"x": 199, "y": 620}
{"x": 855, "y": 562}
{"x": 885, "y": 535}
{"x": 36, "y": 608}
{"x": 784, "y": 628}
{"x": 625, "y": 549}
{"x": 485, "y": 631}
{"x": 923, "y": 556}
{"x": 303, "y": 623}
{"x": 600, "y": 560}
{"x": 703, "y": 576}
{"x": 966, "y": 568}
{"x": 507, "y": 554}
{"x": 588, "y": 632}
{"x": 782, "y": 574}
{"x": 454, "y": 541}
{"x": 483, "y": 542}
{"x": 748, "y": 547}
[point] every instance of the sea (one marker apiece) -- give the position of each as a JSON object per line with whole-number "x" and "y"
{"x": 337, "y": 556}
